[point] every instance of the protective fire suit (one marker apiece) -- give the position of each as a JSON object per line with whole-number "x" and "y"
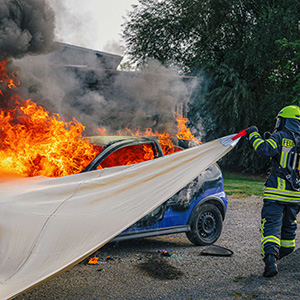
{"x": 281, "y": 200}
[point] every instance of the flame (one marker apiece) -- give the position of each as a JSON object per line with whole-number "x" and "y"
{"x": 140, "y": 153}
{"x": 128, "y": 156}
{"x": 10, "y": 82}
{"x": 93, "y": 260}
{"x": 184, "y": 133}
{"x": 34, "y": 142}
{"x": 164, "y": 138}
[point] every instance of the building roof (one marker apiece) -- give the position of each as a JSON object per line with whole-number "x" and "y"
{"x": 75, "y": 56}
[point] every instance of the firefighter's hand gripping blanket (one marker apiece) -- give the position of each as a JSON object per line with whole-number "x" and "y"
{"x": 48, "y": 225}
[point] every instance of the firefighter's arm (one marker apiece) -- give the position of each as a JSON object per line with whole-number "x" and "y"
{"x": 265, "y": 148}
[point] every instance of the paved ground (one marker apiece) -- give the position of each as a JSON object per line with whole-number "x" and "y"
{"x": 135, "y": 269}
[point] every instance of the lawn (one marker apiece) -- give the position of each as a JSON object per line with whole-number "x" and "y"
{"x": 242, "y": 185}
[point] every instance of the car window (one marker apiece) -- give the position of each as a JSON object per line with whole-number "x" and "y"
{"x": 177, "y": 149}
{"x": 169, "y": 149}
{"x": 127, "y": 156}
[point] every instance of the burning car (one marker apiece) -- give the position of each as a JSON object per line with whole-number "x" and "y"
{"x": 198, "y": 209}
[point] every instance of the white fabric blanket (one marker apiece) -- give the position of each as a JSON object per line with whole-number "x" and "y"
{"x": 50, "y": 224}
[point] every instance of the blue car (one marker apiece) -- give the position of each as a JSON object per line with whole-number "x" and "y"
{"x": 198, "y": 209}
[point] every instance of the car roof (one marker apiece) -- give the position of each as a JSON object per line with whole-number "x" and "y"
{"x": 109, "y": 139}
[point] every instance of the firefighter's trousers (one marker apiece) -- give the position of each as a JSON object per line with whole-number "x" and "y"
{"x": 278, "y": 228}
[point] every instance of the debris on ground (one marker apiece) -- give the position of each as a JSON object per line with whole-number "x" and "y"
{"x": 215, "y": 250}
{"x": 165, "y": 252}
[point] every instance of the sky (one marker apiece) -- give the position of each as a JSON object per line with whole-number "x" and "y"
{"x": 94, "y": 24}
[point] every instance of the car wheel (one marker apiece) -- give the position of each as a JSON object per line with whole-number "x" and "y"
{"x": 206, "y": 225}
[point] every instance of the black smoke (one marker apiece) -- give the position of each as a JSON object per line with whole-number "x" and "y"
{"x": 26, "y": 27}
{"x": 96, "y": 97}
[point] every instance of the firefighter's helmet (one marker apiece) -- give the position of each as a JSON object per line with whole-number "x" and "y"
{"x": 288, "y": 112}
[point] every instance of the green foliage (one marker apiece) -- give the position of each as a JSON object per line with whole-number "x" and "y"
{"x": 127, "y": 66}
{"x": 287, "y": 74}
{"x": 245, "y": 75}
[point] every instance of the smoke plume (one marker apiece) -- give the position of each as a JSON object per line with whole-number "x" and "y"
{"x": 113, "y": 100}
{"x": 95, "y": 96}
{"x": 26, "y": 27}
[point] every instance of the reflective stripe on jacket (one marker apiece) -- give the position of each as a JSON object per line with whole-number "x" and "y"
{"x": 277, "y": 147}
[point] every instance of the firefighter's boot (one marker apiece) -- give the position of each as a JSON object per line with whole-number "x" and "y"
{"x": 284, "y": 252}
{"x": 270, "y": 266}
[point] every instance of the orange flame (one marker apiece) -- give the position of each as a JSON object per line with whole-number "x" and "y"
{"x": 34, "y": 142}
{"x": 184, "y": 133}
{"x": 140, "y": 153}
{"x": 164, "y": 138}
{"x": 10, "y": 82}
{"x": 93, "y": 260}
{"x": 128, "y": 156}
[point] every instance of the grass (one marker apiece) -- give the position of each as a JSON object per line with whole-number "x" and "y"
{"x": 241, "y": 185}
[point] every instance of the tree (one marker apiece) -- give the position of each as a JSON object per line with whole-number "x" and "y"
{"x": 232, "y": 43}
{"x": 287, "y": 76}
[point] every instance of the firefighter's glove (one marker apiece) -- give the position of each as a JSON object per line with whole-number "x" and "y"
{"x": 251, "y": 129}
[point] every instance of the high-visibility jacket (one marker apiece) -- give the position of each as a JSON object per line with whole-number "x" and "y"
{"x": 278, "y": 148}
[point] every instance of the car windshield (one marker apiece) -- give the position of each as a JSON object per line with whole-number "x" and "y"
{"x": 128, "y": 155}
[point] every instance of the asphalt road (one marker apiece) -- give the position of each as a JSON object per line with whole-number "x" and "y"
{"x": 136, "y": 270}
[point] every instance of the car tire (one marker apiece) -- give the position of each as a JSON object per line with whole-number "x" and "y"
{"x": 206, "y": 224}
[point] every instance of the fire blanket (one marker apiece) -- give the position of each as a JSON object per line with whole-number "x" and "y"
{"x": 48, "y": 225}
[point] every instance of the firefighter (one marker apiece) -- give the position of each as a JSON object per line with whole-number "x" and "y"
{"x": 282, "y": 188}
